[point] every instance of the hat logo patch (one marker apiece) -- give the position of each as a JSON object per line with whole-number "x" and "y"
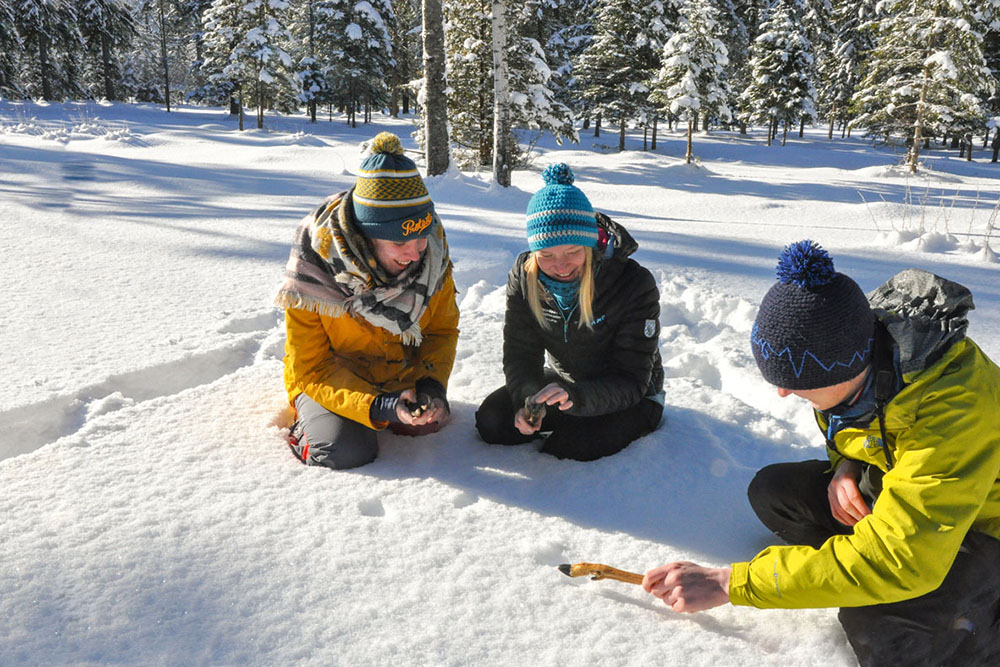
{"x": 649, "y": 330}
{"x": 412, "y": 226}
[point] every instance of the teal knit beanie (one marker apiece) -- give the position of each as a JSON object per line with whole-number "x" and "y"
{"x": 559, "y": 213}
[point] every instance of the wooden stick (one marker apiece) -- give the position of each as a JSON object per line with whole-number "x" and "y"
{"x": 599, "y": 571}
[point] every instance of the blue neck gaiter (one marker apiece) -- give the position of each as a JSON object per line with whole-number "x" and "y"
{"x": 564, "y": 293}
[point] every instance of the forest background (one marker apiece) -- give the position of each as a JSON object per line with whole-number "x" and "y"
{"x": 908, "y": 72}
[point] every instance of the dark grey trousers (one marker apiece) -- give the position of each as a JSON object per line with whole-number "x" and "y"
{"x": 957, "y": 624}
{"x": 319, "y": 437}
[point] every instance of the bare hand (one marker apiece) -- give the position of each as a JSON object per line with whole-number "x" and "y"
{"x": 437, "y": 411}
{"x": 688, "y": 587}
{"x": 846, "y": 502}
{"x": 550, "y": 394}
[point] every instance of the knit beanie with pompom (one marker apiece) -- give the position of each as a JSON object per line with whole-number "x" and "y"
{"x": 559, "y": 213}
{"x": 815, "y": 327}
{"x": 390, "y": 199}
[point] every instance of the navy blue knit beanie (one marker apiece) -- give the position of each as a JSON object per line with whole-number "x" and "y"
{"x": 559, "y": 213}
{"x": 815, "y": 327}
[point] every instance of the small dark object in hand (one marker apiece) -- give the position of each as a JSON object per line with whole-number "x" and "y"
{"x": 420, "y": 406}
{"x": 533, "y": 411}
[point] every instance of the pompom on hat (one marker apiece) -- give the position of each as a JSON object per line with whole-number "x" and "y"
{"x": 815, "y": 327}
{"x": 389, "y": 198}
{"x": 559, "y": 213}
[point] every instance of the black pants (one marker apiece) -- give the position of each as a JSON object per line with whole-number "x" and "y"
{"x": 580, "y": 438}
{"x": 957, "y": 624}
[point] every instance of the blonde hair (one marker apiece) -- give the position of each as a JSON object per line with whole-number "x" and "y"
{"x": 585, "y": 296}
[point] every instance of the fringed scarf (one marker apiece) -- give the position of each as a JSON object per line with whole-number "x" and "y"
{"x": 331, "y": 271}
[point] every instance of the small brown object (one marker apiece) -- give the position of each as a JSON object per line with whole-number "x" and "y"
{"x": 420, "y": 406}
{"x": 533, "y": 411}
{"x": 599, "y": 571}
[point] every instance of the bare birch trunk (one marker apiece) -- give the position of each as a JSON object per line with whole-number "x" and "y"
{"x": 502, "y": 150}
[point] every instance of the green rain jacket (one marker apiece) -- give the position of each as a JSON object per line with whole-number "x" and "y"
{"x": 943, "y": 433}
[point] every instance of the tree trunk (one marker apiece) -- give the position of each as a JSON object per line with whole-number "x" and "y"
{"x": 240, "y": 99}
{"x": 687, "y": 156}
{"x": 586, "y": 122}
{"x": 436, "y": 104}
{"x": 166, "y": 64}
{"x": 621, "y": 134}
{"x": 502, "y": 149}
{"x": 645, "y": 137}
{"x": 109, "y": 87}
{"x": 652, "y": 145}
{"x": 770, "y": 130}
{"x": 43, "y": 67}
{"x": 918, "y": 128}
{"x": 312, "y": 111}
{"x": 968, "y": 147}
{"x": 784, "y": 132}
{"x": 996, "y": 145}
{"x": 802, "y": 126}
{"x": 829, "y": 129}
{"x": 260, "y": 103}
{"x": 597, "y": 126}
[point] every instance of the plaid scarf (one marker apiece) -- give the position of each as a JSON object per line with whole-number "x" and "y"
{"x": 332, "y": 271}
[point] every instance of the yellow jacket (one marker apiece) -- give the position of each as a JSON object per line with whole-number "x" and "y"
{"x": 343, "y": 362}
{"x": 943, "y": 436}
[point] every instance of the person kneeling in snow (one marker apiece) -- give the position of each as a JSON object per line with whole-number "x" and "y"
{"x": 901, "y": 528}
{"x": 371, "y": 316}
{"x": 579, "y": 297}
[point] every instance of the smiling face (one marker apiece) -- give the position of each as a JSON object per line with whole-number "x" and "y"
{"x": 396, "y": 256}
{"x": 562, "y": 262}
{"x": 825, "y": 398}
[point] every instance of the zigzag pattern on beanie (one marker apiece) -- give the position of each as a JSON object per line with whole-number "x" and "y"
{"x": 389, "y": 197}
{"x": 815, "y": 327}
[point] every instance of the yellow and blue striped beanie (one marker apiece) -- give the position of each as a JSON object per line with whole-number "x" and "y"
{"x": 390, "y": 199}
{"x": 559, "y": 213}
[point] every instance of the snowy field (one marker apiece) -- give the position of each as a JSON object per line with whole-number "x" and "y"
{"x": 150, "y": 512}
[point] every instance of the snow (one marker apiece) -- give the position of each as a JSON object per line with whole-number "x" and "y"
{"x": 152, "y": 513}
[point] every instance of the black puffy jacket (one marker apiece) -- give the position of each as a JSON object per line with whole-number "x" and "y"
{"x": 605, "y": 370}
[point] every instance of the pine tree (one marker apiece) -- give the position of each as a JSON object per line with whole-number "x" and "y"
{"x": 736, "y": 38}
{"x": 52, "y": 43}
{"x": 927, "y": 74}
{"x": 363, "y": 60}
{"x": 781, "y": 90}
{"x": 616, "y": 69}
{"x": 406, "y": 49}
{"x": 692, "y": 79}
{"x": 244, "y": 48}
{"x": 842, "y": 60}
{"x": 562, "y": 29}
{"x": 470, "y": 83}
{"x": 10, "y": 46}
{"x": 109, "y": 27}
{"x": 307, "y": 23}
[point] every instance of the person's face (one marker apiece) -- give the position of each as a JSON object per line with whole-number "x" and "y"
{"x": 562, "y": 262}
{"x": 825, "y": 398}
{"x": 396, "y": 256}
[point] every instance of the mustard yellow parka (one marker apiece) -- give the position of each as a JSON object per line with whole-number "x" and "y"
{"x": 343, "y": 362}
{"x": 943, "y": 432}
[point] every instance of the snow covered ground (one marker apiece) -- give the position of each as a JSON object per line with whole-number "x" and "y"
{"x": 150, "y": 512}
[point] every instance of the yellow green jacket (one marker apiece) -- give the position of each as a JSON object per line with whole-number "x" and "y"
{"x": 344, "y": 362}
{"x": 943, "y": 435}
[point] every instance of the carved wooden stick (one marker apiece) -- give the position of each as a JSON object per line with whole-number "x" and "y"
{"x": 599, "y": 571}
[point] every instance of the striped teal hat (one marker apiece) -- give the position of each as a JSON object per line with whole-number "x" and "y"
{"x": 390, "y": 199}
{"x": 559, "y": 213}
